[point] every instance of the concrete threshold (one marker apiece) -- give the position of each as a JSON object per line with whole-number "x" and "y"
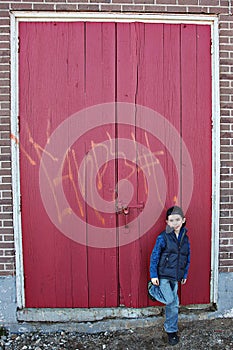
{"x": 85, "y": 314}
{"x": 96, "y": 320}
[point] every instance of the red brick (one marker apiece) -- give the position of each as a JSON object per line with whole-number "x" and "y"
{"x": 225, "y": 90}
{"x": 4, "y": 6}
{"x": 4, "y": 187}
{"x": 5, "y": 172}
{"x": 225, "y": 178}
{"x": 6, "y": 259}
{"x": 227, "y": 134}
{"x": 226, "y": 105}
{"x": 9, "y": 252}
{"x": 188, "y": 2}
{"x": 9, "y": 267}
{"x": 4, "y": 13}
{"x": 7, "y": 223}
{"x": 66, "y": 7}
{"x": 209, "y": 2}
{"x": 122, "y": 1}
{"x": 77, "y": 1}
{"x": 5, "y": 105}
{"x": 224, "y": 255}
{"x": 110, "y": 8}
{"x": 4, "y": 22}
{"x": 57, "y": 1}
{"x": 7, "y": 208}
{"x": 5, "y": 75}
{"x": 97, "y": 1}
{"x": 155, "y": 8}
{"x": 225, "y": 32}
{"x": 226, "y": 205}
{"x": 21, "y": 6}
{"x": 5, "y": 201}
{"x": 5, "y": 150}
{"x": 6, "y": 245}
{"x": 225, "y": 185}
{"x": 227, "y": 192}
{"x": 6, "y": 216}
{"x": 43, "y": 7}
{"x": 225, "y": 142}
{"x": 226, "y": 47}
{"x": 224, "y": 25}
{"x": 218, "y": 10}
{"x": 224, "y": 40}
{"x": 176, "y": 9}
{"x": 166, "y": 2}
{"x": 224, "y": 3}
{"x": 88, "y": 7}
{"x": 144, "y": 2}
{"x": 197, "y": 9}
{"x": 225, "y": 262}
{"x": 226, "y": 18}
{"x": 226, "y": 248}
{"x": 6, "y": 165}
{"x": 224, "y": 241}
{"x": 4, "y": 37}
{"x": 5, "y": 30}
{"x": 8, "y": 238}
{"x": 132, "y": 8}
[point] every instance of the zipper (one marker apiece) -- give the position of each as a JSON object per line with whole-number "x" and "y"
{"x": 179, "y": 246}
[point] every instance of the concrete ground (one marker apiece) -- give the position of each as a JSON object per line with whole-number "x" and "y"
{"x": 142, "y": 334}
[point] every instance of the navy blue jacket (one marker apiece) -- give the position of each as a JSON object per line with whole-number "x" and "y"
{"x": 170, "y": 257}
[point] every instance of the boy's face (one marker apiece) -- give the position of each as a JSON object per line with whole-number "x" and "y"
{"x": 175, "y": 221}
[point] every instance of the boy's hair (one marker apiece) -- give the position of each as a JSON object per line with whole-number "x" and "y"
{"x": 174, "y": 211}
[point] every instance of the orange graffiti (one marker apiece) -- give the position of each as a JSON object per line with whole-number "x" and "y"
{"x": 154, "y": 174}
{"x": 139, "y": 163}
{"x": 15, "y": 139}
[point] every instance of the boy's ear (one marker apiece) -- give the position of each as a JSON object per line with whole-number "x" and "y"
{"x": 183, "y": 221}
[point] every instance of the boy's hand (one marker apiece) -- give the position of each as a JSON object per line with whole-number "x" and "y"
{"x": 184, "y": 280}
{"x": 155, "y": 281}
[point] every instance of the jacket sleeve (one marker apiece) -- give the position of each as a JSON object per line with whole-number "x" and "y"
{"x": 155, "y": 256}
{"x": 188, "y": 263}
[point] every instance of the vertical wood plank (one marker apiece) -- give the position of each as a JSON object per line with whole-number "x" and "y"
{"x": 196, "y": 132}
{"x": 127, "y": 84}
{"x": 150, "y": 94}
{"x": 100, "y": 88}
{"x": 172, "y": 111}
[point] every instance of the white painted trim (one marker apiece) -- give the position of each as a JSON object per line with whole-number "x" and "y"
{"x": 111, "y": 17}
{"x": 215, "y": 162}
{"x": 15, "y": 165}
{"x": 20, "y": 16}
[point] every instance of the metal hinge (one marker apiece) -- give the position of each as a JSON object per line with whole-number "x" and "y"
{"x": 18, "y": 124}
{"x": 18, "y": 44}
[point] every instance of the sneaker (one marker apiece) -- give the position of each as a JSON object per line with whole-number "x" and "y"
{"x": 150, "y": 284}
{"x": 173, "y": 338}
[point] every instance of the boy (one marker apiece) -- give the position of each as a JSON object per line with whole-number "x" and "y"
{"x": 169, "y": 264}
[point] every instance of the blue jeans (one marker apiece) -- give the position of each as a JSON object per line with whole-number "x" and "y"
{"x": 166, "y": 293}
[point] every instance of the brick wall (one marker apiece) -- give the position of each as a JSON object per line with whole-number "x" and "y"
{"x": 222, "y": 8}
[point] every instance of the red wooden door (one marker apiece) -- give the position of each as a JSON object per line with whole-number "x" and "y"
{"x": 114, "y": 118}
